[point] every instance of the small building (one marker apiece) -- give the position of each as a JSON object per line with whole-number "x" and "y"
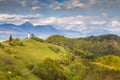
{"x": 29, "y": 35}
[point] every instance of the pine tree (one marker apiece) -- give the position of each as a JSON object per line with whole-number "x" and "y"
{"x": 10, "y": 39}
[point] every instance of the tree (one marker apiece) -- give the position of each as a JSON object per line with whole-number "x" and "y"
{"x": 10, "y": 39}
{"x": 32, "y": 36}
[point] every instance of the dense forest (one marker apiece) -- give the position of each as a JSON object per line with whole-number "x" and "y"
{"x": 61, "y": 58}
{"x": 99, "y": 55}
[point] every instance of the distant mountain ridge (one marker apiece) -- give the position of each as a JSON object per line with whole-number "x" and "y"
{"x": 43, "y": 31}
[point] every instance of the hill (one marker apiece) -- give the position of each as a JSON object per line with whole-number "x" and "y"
{"x": 15, "y": 60}
{"x": 110, "y": 61}
{"x": 94, "y": 45}
{"x": 61, "y": 58}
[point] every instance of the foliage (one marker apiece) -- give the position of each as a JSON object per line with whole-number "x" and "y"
{"x": 1, "y": 45}
{"x": 54, "y": 48}
{"x": 101, "y": 73}
{"x": 36, "y": 38}
{"x": 17, "y": 42}
{"x": 10, "y": 40}
{"x": 91, "y": 47}
{"x": 91, "y": 58}
{"x": 51, "y": 70}
{"x": 111, "y": 60}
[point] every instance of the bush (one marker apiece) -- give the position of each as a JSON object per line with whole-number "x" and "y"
{"x": 1, "y": 46}
{"x": 50, "y": 70}
{"x": 17, "y": 42}
{"x": 54, "y": 48}
{"x": 37, "y": 39}
{"x": 10, "y": 51}
{"x": 30, "y": 65}
{"x": 2, "y": 76}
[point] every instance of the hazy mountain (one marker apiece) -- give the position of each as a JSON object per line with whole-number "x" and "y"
{"x": 42, "y": 31}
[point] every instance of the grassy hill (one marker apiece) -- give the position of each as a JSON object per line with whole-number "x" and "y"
{"x": 16, "y": 60}
{"x": 92, "y": 58}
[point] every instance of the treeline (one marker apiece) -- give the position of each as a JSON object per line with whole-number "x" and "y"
{"x": 89, "y": 47}
{"x": 94, "y": 58}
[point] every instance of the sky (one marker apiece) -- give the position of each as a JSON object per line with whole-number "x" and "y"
{"x": 78, "y": 15}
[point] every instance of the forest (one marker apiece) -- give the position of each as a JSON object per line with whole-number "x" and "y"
{"x": 61, "y": 58}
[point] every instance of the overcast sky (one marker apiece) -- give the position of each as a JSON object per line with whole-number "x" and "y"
{"x": 78, "y": 15}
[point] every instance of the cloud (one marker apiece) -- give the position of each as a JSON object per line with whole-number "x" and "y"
{"x": 78, "y": 20}
{"x": 78, "y": 23}
{"x": 115, "y": 23}
{"x": 101, "y": 5}
{"x": 19, "y": 19}
{"x": 7, "y": 32}
{"x": 98, "y": 22}
{"x": 84, "y": 24}
{"x": 18, "y": 6}
{"x": 71, "y": 4}
{"x": 36, "y": 8}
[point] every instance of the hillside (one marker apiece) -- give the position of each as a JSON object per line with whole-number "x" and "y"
{"x": 99, "y": 55}
{"x": 61, "y": 58}
{"x": 94, "y": 45}
{"x": 15, "y": 60}
{"x": 110, "y": 61}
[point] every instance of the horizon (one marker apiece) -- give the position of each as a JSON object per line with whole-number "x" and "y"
{"x": 88, "y": 17}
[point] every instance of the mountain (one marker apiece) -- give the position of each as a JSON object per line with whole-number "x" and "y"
{"x": 42, "y": 31}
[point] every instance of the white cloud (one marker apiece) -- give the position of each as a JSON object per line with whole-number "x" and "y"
{"x": 64, "y": 20}
{"x": 18, "y": 19}
{"x": 7, "y": 32}
{"x": 74, "y": 4}
{"x": 115, "y": 23}
{"x": 77, "y": 23}
{"x": 36, "y": 8}
{"x": 98, "y": 22}
{"x": 85, "y": 4}
{"x": 71, "y": 4}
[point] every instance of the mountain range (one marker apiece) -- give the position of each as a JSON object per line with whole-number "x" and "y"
{"x": 42, "y": 31}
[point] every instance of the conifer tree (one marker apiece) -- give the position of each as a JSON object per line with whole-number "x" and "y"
{"x": 10, "y": 39}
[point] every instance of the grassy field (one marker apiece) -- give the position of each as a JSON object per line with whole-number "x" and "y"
{"x": 14, "y": 59}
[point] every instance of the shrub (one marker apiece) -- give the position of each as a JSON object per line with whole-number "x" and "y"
{"x": 30, "y": 65}
{"x": 54, "y": 48}
{"x": 37, "y": 39}
{"x": 2, "y": 46}
{"x": 10, "y": 51}
{"x": 50, "y": 70}
{"x": 17, "y": 42}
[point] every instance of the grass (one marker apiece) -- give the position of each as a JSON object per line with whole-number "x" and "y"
{"x": 31, "y": 52}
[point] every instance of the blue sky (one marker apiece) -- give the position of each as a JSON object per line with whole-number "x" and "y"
{"x": 79, "y": 15}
